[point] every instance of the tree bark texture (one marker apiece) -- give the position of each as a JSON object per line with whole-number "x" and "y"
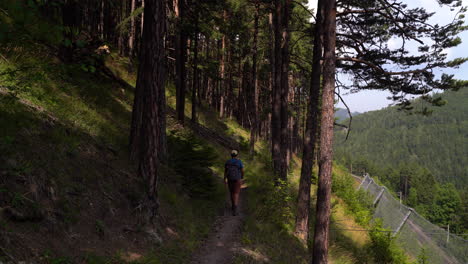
{"x": 276, "y": 92}
{"x": 222, "y": 74}
{"x": 195, "y": 73}
{"x": 321, "y": 235}
{"x": 148, "y": 117}
{"x": 181, "y": 57}
{"x": 254, "y": 84}
{"x": 279, "y": 120}
{"x": 131, "y": 33}
{"x": 310, "y": 136}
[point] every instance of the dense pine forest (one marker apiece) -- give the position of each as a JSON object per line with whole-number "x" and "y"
{"x": 117, "y": 116}
{"x": 421, "y": 154}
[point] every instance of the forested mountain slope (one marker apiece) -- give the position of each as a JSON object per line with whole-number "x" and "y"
{"x": 342, "y": 114}
{"x": 391, "y": 137}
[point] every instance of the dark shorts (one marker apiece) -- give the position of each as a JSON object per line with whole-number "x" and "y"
{"x": 234, "y": 186}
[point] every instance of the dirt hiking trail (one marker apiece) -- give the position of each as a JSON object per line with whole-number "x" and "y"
{"x": 224, "y": 241}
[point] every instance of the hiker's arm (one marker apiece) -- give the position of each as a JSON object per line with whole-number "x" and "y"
{"x": 242, "y": 173}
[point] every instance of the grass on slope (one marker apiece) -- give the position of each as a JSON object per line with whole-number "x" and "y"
{"x": 63, "y": 141}
{"x": 65, "y": 175}
{"x": 268, "y": 232}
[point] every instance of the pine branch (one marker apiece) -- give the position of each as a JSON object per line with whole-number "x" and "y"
{"x": 380, "y": 69}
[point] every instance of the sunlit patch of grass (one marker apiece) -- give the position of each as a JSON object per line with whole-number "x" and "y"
{"x": 120, "y": 66}
{"x": 344, "y": 220}
{"x": 82, "y": 100}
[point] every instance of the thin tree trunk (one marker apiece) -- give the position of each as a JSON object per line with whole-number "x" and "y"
{"x": 310, "y": 136}
{"x": 291, "y": 99}
{"x": 180, "y": 54}
{"x": 276, "y": 97}
{"x": 101, "y": 21}
{"x": 297, "y": 121}
{"x": 200, "y": 86}
{"x": 148, "y": 122}
{"x": 230, "y": 99}
{"x": 254, "y": 84}
{"x": 284, "y": 87}
{"x": 120, "y": 42}
{"x": 195, "y": 73}
{"x": 321, "y": 235}
{"x": 222, "y": 87}
{"x": 131, "y": 33}
{"x": 271, "y": 81}
{"x": 142, "y": 17}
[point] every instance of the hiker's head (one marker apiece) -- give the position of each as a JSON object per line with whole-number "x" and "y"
{"x": 234, "y": 153}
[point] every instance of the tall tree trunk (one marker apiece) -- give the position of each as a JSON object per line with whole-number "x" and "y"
{"x": 222, "y": 83}
{"x": 279, "y": 119}
{"x": 240, "y": 95}
{"x": 254, "y": 84}
{"x": 271, "y": 81}
{"x": 222, "y": 73}
{"x": 284, "y": 87}
{"x": 297, "y": 121}
{"x": 122, "y": 14}
{"x": 148, "y": 118}
{"x": 276, "y": 96}
{"x": 230, "y": 99}
{"x": 195, "y": 73}
{"x": 202, "y": 76}
{"x": 320, "y": 251}
{"x": 131, "y": 33}
{"x": 291, "y": 98}
{"x": 310, "y": 136}
{"x": 142, "y": 17}
{"x": 180, "y": 54}
{"x": 101, "y": 21}
{"x": 244, "y": 95}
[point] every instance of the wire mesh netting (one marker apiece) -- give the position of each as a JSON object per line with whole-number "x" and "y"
{"x": 415, "y": 234}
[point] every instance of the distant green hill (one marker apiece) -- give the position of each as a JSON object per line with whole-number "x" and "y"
{"x": 342, "y": 114}
{"x": 438, "y": 142}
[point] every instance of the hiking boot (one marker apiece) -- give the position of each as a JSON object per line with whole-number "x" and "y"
{"x": 235, "y": 211}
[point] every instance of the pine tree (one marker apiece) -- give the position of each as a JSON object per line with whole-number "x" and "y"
{"x": 148, "y": 120}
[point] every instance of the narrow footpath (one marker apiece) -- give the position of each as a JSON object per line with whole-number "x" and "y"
{"x": 223, "y": 243}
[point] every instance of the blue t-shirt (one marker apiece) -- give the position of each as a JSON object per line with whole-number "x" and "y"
{"x": 233, "y": 163}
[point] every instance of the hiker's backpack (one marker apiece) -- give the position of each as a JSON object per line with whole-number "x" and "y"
{"x": 233, "y": 170}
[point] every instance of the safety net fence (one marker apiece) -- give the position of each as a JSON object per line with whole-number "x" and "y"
{"x": 415, "y": 234}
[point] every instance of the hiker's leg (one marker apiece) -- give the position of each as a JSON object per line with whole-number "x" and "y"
{"x": 237, "y": 187}
{"x": 231, "y": 185}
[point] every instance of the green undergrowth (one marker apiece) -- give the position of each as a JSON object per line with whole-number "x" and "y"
{"x": 88, "y": 102}
{"x": 268, "y": 234}
{"x": 192, "y": 196}
{"x": 381, "y": 246}
{"x": 64, "y": 128}
{"x": 64, "y": 131}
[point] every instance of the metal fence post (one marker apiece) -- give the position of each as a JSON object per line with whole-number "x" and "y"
{"x": 362, "y": 182}
{"x": 378, "y": 196}
{"x": 403, "y": 222}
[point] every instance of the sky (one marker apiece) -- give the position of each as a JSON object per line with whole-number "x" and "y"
{"x": 364, "y": 101}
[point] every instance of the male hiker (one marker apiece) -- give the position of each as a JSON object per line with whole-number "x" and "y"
{"x": 233, "y": 175}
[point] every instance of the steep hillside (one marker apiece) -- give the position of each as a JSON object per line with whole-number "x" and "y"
{"x": 68, "y": 193}
{"x": 390, "y": 137}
